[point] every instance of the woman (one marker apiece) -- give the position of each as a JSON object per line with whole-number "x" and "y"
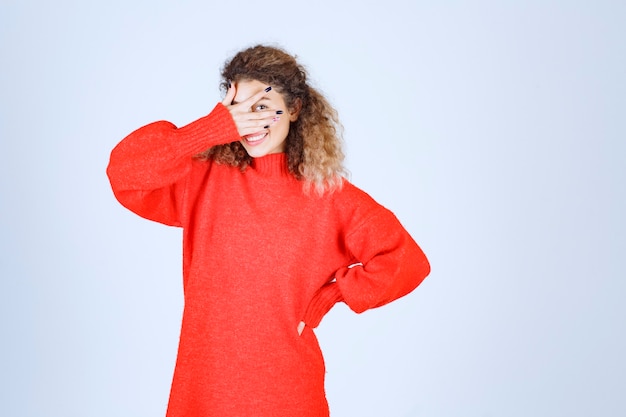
{"x": 273, "y": 237}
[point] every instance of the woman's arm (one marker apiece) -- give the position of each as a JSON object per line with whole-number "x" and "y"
{"x": 148, "y": 168}
{"x": 388, "y": 265}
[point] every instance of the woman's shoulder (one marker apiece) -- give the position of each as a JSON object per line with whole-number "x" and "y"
{"x": 357, "y": 210}
{"x": 350, "y": 193}
{"x": 354, "y": 201}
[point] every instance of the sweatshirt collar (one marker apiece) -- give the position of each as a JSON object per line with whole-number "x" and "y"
{"x": 272, "y": 164}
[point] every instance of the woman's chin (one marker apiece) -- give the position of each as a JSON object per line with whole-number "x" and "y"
{"x": 256, "y": 152}
{"x": 259, "y": 150}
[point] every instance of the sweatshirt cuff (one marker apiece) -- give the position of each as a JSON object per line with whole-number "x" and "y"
{"x": 323, "y": 300}
{"x": 216, "y": 128}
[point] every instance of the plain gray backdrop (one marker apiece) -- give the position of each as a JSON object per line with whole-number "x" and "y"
{"x": 494, "y": 130}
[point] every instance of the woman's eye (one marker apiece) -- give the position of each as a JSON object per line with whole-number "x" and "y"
{"x": 260, "y": 107}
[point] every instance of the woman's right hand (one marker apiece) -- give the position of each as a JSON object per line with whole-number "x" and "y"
{"x": 246, "y": 119}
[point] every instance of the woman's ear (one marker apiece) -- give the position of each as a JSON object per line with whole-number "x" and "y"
{"x": 294, "y": 111}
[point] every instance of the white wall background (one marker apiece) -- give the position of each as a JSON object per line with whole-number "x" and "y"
{"x": 494, "y": 130}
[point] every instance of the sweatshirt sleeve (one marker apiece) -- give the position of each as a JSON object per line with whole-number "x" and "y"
{"x": 390, "y": 263}
{"x": 148, "y": 169}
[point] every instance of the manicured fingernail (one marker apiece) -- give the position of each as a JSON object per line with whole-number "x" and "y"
{"x": 266, "y": 127}
{"x": 268, "y": 88}
{"x": 279, "y": 112}
{"x": 275, "y": 119}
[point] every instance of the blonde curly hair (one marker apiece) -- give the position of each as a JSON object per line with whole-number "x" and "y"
{"x": 313, "y": 144}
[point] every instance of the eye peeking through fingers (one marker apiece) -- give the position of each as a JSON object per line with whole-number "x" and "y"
{"x": 260, "y": 107}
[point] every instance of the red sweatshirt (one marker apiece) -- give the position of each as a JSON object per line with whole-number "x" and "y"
{"x": 259, "y": 257}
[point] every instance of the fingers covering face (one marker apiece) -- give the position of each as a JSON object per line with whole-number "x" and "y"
{"x": 249, "y": 114}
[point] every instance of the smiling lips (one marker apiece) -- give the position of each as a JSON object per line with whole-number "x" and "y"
{"x": 256, "y": 138}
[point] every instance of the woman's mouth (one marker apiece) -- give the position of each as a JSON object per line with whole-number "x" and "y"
{"x": 255, "y": 139}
